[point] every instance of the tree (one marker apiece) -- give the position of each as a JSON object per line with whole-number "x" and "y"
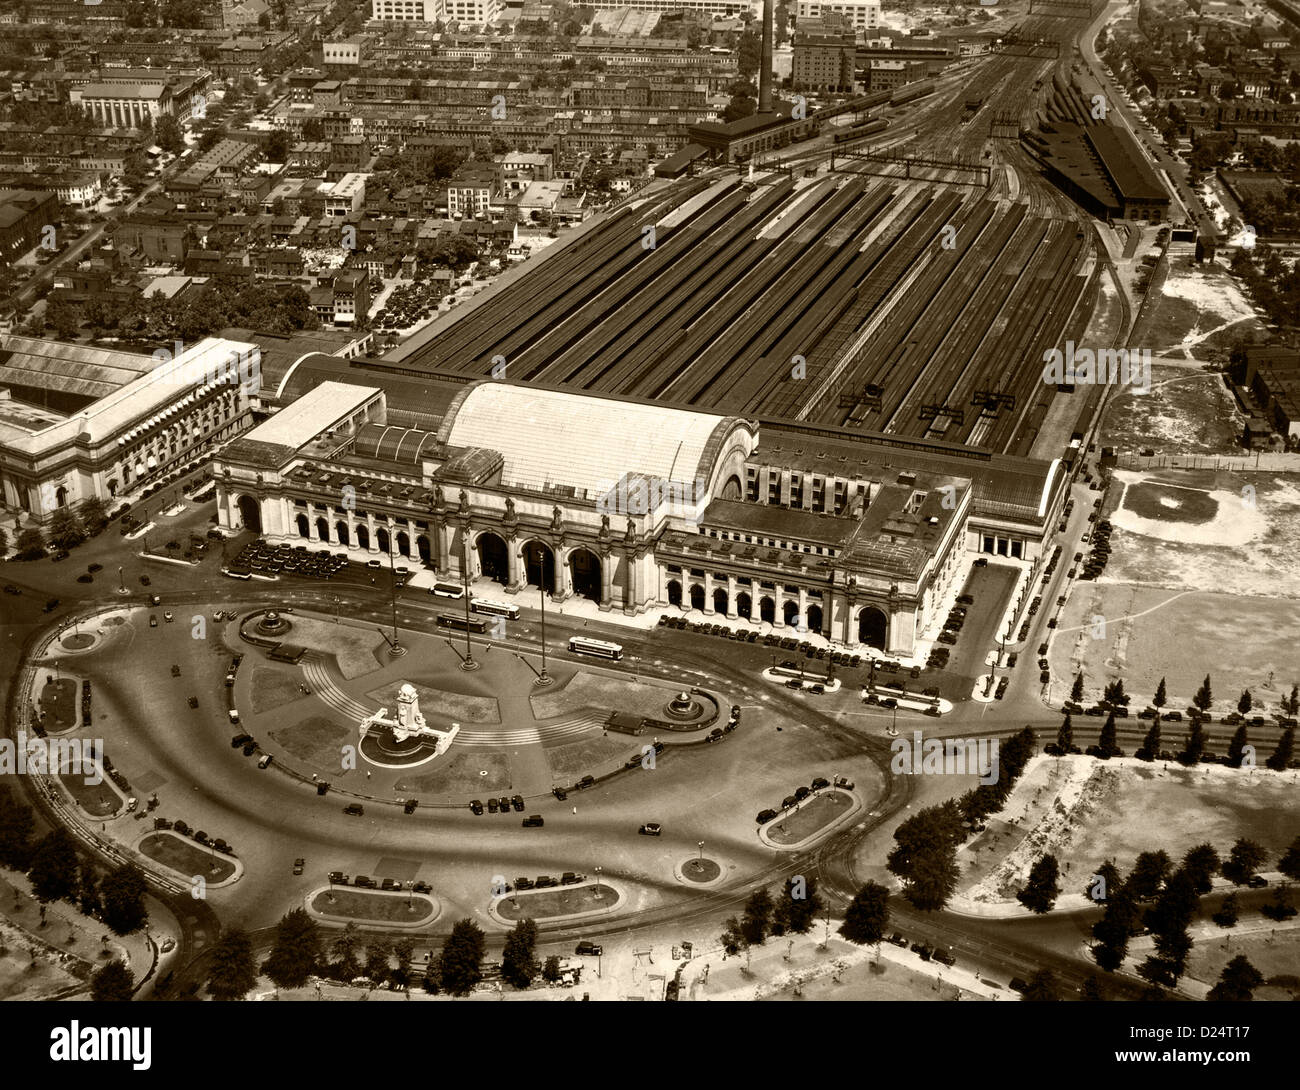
{"x": 63, "y": 318}
{"x": 1204, "y": 697}
{"x": 757, "y": 919}
{"x": 749, "y": 53}
{"x": 112, "y": 983}
{"x": 167, "y": 135}
{"x": 278, "y": 147}
{"x": 379, "y": 952}
{"x": 1244, "y": 701}
{"x": 1150, "y": 749}
{"x": 233, "y": 971}
{"x": 121, "y": 894}
{"x": 1291, "y": 704}
{"x": 1195, "y": 745}
{"x": 93, "y": 515}
{"x": 15, "y": 830}
{"x": 1161, "y": 698}
{"x": 53, "y": 871}
{"x": 867, "y": 915}
{"x": 1065, "y": 736}
{"x": 1091, "y": 991}
{"x": 798, "y": 906}
{"x": 1289, "y": 864}
{"x": 1042, "y": 887}
{"x": 1041, "y": 988}
{"x": 1237, "y": 747}
{"x": 297, "y": 950}
{"x": 1237, "y": 982}
{"x": 65, "y": 530}
{"x": 1108, "y": 741}
{"x": 4, "y": 542}
{"x": 1280, "y": 907}
{"x": 1227, "y": 914}
{"x": 1076, "y": 690}
{"x": 1201, "y": 863}
{"x": 925, "y": 856}
{"x": 551, "y": 970}
{"x": 30, "y": 545}
{"x": 403, "y": 951}
{"x": 1280, "y": 758}
{"x": 462, "y": 958}
{"x": 740, "y": 106}
{"x": 345, "y": 950}
{"x": 1113, "y": 931}
{"x": 1149, "y": 871}
{"x": 518, "y": 961}
{"x": 1243, "y": 861}
{"x": 1105, "y": 884}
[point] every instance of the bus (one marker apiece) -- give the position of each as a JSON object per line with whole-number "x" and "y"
{"x": 494, "y": 609}
{"x": 581, "y": 645}
{"x": 473, "y": 624}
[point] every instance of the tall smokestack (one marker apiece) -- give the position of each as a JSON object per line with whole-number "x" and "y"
{"x": 765, "y": 64}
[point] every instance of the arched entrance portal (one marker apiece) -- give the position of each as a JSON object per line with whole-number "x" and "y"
{"x": 403, "y": 543}
{"x": 341, "y": 531}
{"x": 767, "y": 610}
{"x": 322, "y": 529}
{"x": 873, "y": 627}
{"x": 790, "y": 612}
{"x": 493, "y": 560}
{"x": 250, "y": 512}
{"x": 584, "y": 567}
{"x": 382, "y": 539}
{"x": 539, "y": 566}
{"x": 674, "y": 592}
{"x": 363, "y": 536}
{"x": 304, "y": 527}
{"x": 744, "y": 604}
{"x": 719, "y": 600}
{"x": 422, "y": 546}
{"x": 697, "y": 597}
{"x": 815, "y": 619}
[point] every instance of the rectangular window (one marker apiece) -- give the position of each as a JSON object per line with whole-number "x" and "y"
{"x": 988, "y": 544}
{"x": 1016, "y": 549}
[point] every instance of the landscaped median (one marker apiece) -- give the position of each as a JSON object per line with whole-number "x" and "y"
{"x": 810, "y": 819}
{"x": 189, "y": 860}
{"x": 374, "y": 906}
{"x": 557, "y": 902}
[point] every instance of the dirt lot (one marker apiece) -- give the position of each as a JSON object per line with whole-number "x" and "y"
{"x": 1188, "y": 411}
{"x": 1198, "y": 311}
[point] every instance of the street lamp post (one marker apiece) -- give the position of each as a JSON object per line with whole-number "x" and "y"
{"x": 543, "y": 678}
{"x": 598, "y": 893}
{"x": 469, "y": 663}
{"x": 395, "y": 648}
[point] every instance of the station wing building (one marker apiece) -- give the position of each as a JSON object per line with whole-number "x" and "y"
{"x": 632, "y": 504}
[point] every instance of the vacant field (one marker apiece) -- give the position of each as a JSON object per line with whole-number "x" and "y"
{"x": 316, "y": 740}
{"x": 1188, "y": 411}
{"x": 460, "y": 774}
{"x": 273, "y": 687}
{"x": 1199, "y": 310}
{"x": 1147, "y": 634}
{"x": 23, "y": 977}
{"x": 1276, "y": 957}
{"x": 459, "y": 707}
{"x": 602, "y": 692}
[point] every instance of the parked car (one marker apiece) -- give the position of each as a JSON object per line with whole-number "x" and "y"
{"x": 764, "y": 816}
{"x": 493, "y": 806}
{"x": 518, "y": 803}
{"x": 587, "y": 949}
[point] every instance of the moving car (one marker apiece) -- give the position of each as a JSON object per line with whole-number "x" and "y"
{"x": 298, "y": 865}
{"x": 587, "y": 949}
{"x": 651, "y": 828}
{"x": 354, "y": 809}
{"x": 533, "y": 821}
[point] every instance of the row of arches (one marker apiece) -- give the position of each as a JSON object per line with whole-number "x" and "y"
{"x": 873, "y": 624}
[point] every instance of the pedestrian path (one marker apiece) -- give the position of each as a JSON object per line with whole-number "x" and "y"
{"x": 322, "y": 685}
{"x": 536, "y": 735}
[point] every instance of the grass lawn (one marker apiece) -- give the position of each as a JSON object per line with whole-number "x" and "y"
{"x": 273, "y": 687}
{"x": 565, "y": 901}
{"x": 315, "y": 740}
{"x": 98, "y": 800}
{"x": 434, "y": 702}
{"x": 360, "y": 904}
{"x": 186, "y": 857}
{"x": 583, "y": 755}
{"x": 459, "y": 775}
{"x": 354, "y": 649}
{"x": 1276, "y": 959}
{"x": 19, "y": 980}
{"x": 59, "y": 700}
{"x": 814, "y": 816}
{"x": 603, "y": 693}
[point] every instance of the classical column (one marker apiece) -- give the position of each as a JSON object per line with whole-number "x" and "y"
{"x": 606, "y": 579}
{"x": 632, "y": 599}
{"x": 732, "y": 613}
{"x": 803, "y": 609}
{"x": 514, "y": 565}
{"x": 313, "y": 534}
{"x": 708, "y": 594}
{"x": 370, "y": 531}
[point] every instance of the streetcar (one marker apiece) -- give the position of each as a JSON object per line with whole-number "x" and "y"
{"x": 462, "y": 624}
{"x": 494, "y": 609}
{"x": 581, "y": 645}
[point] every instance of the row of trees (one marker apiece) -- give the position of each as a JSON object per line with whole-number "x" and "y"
{"x": 1171, "y": 897}
{"x": 793, "y": 912}
{"x": 69, "y": 526}
{"x": 925, "y": 856}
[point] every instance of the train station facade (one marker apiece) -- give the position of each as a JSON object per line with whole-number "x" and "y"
{"x": 633, "y": 505}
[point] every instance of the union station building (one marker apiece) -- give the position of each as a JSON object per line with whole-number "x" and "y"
{"x": 634, "y": 505}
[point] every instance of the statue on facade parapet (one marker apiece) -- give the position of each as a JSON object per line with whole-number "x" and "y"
{"x": 510, "y": 509}
{"x": 464, "y": 501}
